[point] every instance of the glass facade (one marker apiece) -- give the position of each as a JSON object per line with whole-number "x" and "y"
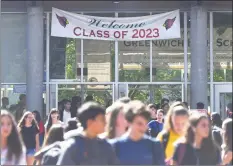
{"x": 145, "y": 70}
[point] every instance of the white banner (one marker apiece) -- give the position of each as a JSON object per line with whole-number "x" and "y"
{"x": 151, "y": 27}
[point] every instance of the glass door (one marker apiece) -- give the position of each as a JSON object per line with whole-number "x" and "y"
{"x": 223, "y": 96}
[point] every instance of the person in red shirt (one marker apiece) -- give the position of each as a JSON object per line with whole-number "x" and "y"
{"x": 41, "y": 126}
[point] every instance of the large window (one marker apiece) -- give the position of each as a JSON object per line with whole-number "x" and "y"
{"x": 168, "y": 58}
{"x": 134, "y": 57}
{"x": 222, "y": 46}
{"x": 13, "y": 48}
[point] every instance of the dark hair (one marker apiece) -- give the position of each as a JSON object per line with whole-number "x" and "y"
{"x": 125, "y": 100}
{"x": 155, "y": 106}
{"x": 15, "y": 143}
{"x": 216, "y": 119}
{"x": 208, "y": 147}
{"x": 163, "y": 100}
{"x": 22, "y": 121}
{"x": 74, "y": 107}
{"x": 227, "y": 136}
{"x": 115, "y": 110}
{"x": 67, "y": 101}
{"x": 89, "y": 111}
{"x": 49, "y": 121}
{"x": 72, "y": 125}
{"x": 89, "y": 98}
{"x": 5, "y": 99}
{"x": 179, "y": 99}
{"x": 56, "y": 133}
{"x": 109, "y": 103}
{"x": 136, "y": 108}
{"x": 160, "y": 111}
{"x": 38, "y": 117}
{"x": 176, "y": 109}
{"x": 22, "y": 96}
{"x": 200, "y": 105}
{"x": 186, "y": 104}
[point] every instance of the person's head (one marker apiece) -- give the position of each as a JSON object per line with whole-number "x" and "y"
{"x": 76, "y": 101}
{"x": 109, "y": 103}
{"x": 37, "y": 116}
{"x": 11, "y": 135}
{"x": 186, "y": 104}
{"x": 165, "y": 107}
{"x": 216, "y": 119}
{"x": 53, "y": 117}
{"x": 92, "y": 117}
{"x": 200, "y": 128}
{"x": 89, "y": 98}
{"x": 227, "y": 134}
{"x": 164, "y": 100}
{"x": 124, "y": 100}
{"x": 5, "y": 101}
{"x": 72, "y": 125}
{"x": 159, "y": 115}
{"x": 27, "y": 119}
{"x": 116, "y": 119}
{"x": 137, "y": 116}
{"x": 200, "y": 105}
{"x": 22, "y": 99}
{"x": 153, "y": 110}
{"x": 229, "y": 110}
{"x": 56, "y": 133}
{"x": 67, "y": 104}
{"x": 177, "y": 118}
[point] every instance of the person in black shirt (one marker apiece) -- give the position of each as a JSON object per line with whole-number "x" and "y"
{"x": 5, "y": 103}
{"x": 197, "y": 148}
{"x": 216, "y": 128}
{"x": 30, "y": 132}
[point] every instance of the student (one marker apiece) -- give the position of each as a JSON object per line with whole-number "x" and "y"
{"x": 197, "y": 148}
{"x": 86, "y": 148}
{"x": 56, "y": 133}
{"x": 72, "y": 125}
{"x": 174, "y": 128}
{"x": 41, "y": 126}
{"x": 229, "y": 110}
{"x": 227, "y": 142}
{"x": 30, "y": 132}
{"x": 53, "y": 118}
{"x": 5, "y": 103}
{"x": 200, "y": 106}
{"x": 13, "y": 151}
{"x": 153, "y": 110}
{"x": 65, "y": 114}
{"x": 135, "y": 147}
{"x": 19, "y": 108}
{"x": 156, "y": 126}
{"x": 117, "y": 124}
{"x": 216, "y": 128}
{"x": 75, "y": 104}
{"x": 165, "y": 107}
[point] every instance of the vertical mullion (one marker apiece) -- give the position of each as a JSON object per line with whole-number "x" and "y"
{"x": 47, "y": 62}
{"x": 185, "y": 57}
{"x": 151, "y": 59}
{"x": 211, "y": 63}
{"x": 116, "y": 67}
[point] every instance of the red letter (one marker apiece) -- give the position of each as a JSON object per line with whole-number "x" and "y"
{"x": 124, "y": 33}
{"x": 99, "y": 33}
{"x": 75, "y": 31}
{"x": 84, "y": 33}
{"x": 92, "y": 33}
{"x": 106, "y": 34}
{"x": 117, "y": 34}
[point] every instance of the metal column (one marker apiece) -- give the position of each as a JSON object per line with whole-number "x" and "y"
{"x": 199, "y": 77}
{"x": 0, "y": 57}
{"x": 35, "y": 59}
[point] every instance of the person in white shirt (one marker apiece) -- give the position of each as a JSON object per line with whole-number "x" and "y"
{"x": 65, "y": 115}
{"x": 13, "y": 151}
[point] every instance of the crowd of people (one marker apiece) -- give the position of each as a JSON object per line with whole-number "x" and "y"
{"x": 126, "y": 132}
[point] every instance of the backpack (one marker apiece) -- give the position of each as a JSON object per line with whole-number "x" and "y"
{"x": 51, "y": 157}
